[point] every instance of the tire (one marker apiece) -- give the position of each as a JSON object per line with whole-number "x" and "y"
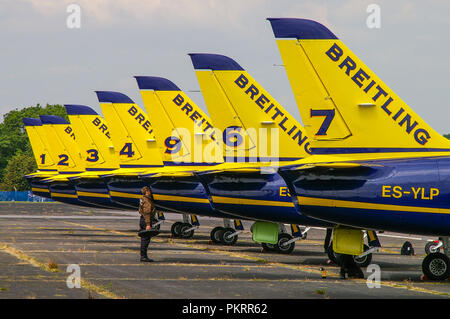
{"x": 268, "y": 247}
{"x": 175, "y": 229}
{"x": 331, "y": 254}
{"x": 407, "y": 249}
{"x": 282, "y": 238}
{"x": 436, "y": 266}
{"x": 364, "y": 261}
{"x": 428, "y": 247}
{"x": 183, "y": 233}
{"x": 225, "y": 233}
{"x": 215, "y": 238}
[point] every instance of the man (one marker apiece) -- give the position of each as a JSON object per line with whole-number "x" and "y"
{"x": 147, "y": 211}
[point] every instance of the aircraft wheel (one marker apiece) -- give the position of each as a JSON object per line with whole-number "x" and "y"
{"x": 268, "y": 247}
{"x": 215, "y": 238}
{"x": 224, "y": 239}
{"x": 429, "y": 245}
{"x": 186, "y": 234}
{"x": 363, "y": 261}
{"x": 285, "y": 249}
{"x": 436, "y": 266}
{"x": 175, "y": 229}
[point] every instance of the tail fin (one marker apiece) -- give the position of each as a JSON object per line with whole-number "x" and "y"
{"x": 37, "y": 137}
{"x": 227, "y": 86}
{"x": 183, "y": 126}
{"x": 132, "y": 133}
{"x": 64, "y": 147}
{"x": 93, "y": 137}
{"x": 347, "y": 107}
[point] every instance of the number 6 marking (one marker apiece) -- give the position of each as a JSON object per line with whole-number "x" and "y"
{"x": 329, "y": 116}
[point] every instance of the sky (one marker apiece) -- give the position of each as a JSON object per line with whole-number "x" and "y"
{"x": 43, "y": 61}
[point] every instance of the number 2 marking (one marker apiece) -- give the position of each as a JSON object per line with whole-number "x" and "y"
{"x": 63, "y": 160}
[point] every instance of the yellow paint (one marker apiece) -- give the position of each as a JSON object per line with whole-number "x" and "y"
{"x": 303, "y": 200}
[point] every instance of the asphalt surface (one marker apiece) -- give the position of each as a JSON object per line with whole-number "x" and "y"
{"x": 38, "y": 241}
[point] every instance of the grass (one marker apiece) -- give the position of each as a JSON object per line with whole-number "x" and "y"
{"x": 52, "y": 266}
{"x": 321, "y": 291}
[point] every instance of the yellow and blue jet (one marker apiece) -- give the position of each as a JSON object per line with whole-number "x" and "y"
{"x": 395, "y": 173}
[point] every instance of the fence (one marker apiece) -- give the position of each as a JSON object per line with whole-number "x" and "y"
{"x": 22, "y": 197}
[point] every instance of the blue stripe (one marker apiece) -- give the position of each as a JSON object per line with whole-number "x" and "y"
{"x": 71, "y": 172}
{"x": 155, "y": 83}
{"x": 113, "y": 97}
{"x": 213, "y": 62}
{"x": 52, "y": 119}
{"x": 260, "y": 159}
{"x": 189, "y": 164}
{"x": 73, "y": 109}
{"x": 28, "y": 121}
{"x": 138, "y": 166}
{"x": 356, "y": 150}
{"x": 299, "y": 29}
{"x": 99, "y": 169}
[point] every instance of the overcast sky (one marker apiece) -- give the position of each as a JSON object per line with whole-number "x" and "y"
{"x": 43, "y": 61}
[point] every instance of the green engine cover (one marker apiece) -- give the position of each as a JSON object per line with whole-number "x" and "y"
{"x": 265, "y": 232}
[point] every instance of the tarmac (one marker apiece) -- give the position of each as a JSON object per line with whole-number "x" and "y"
{"x": 38, "y": 242}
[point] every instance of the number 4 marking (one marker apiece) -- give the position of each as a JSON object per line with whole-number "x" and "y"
{"x": 127, "y": 150}
{"x": 329, "y": 116}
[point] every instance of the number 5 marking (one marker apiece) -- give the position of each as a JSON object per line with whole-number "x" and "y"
{"x": 329, "y": 116}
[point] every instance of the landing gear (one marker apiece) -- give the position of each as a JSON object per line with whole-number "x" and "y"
{"x": 363, "y": 261}
{"x": 285, "y": 244}
{"x": 228, "y": 236}
{"x": 215, "y": 238}
{"x": 433, "y": 247}
{"x": 175, "y": 229}
{"x": 436, "y": 266}
{"x": 186, "y": 230}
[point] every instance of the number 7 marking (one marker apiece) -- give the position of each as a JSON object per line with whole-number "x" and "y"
{"x": 329, "y": 116}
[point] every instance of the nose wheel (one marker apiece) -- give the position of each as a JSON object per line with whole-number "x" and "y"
{"x": 436, "y": 266}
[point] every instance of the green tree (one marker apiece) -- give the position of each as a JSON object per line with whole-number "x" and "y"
{"x": 14, "y": 139}
{"x": 18, "y": 166}
{"x": 447, "y": 136}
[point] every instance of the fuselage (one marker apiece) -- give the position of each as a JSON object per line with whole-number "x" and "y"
{"x": 402, "y": 195}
